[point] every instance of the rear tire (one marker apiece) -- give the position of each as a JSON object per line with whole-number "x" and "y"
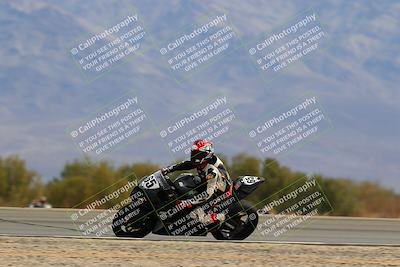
{"x": 242, "y": 220}
{"x": 132, "y": 223}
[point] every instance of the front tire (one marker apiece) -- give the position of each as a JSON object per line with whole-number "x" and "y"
{"x": 242, "y": 220}
{"x": 132, "y": 223}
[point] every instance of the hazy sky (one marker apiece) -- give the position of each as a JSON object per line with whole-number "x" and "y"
{"x": 340, "y": 57}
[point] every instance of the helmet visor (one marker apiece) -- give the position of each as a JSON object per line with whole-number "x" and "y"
{"x": 197, "y": 156}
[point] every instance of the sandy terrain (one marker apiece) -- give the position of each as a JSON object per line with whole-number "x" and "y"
{"x": 44, "y": 251}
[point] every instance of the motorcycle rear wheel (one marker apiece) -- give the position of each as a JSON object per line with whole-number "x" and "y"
{"x": 242, "y": 220}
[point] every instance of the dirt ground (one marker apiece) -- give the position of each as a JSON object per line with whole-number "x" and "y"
{"x": 44, "y": 251}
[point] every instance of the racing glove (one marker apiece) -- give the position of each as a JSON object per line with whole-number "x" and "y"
{"x": 167, "y": 170}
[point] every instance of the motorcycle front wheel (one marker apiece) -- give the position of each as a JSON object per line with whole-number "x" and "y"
{"x": 132, "y": 223}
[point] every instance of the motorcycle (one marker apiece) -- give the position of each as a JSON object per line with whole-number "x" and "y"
{"x": 157, "y": 205}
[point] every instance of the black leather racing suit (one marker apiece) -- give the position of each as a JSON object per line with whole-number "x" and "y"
{"x": 217, "y": 178}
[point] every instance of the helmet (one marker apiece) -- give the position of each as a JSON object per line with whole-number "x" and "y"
{"x": 201, "y": 150}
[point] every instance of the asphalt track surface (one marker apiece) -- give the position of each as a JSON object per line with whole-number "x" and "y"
{"x": 314, "y": 230}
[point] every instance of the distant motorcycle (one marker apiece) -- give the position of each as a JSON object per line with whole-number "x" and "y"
{"x": 156, "y": 206}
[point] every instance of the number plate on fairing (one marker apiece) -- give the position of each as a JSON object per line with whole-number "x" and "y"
{"x": 150, "y": 183}
{"x": 249, "y": 180}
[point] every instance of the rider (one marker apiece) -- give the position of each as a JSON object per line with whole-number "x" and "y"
{"x": 209, "y": 168}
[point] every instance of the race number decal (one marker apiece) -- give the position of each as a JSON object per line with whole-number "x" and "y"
{"x": 150, "y": 183}
{"x": 249, "y": 180}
